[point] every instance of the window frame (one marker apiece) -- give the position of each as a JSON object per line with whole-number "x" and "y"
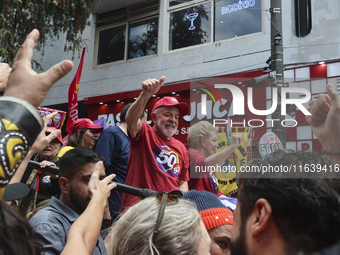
{"x": 127, "y": 22}
{"x": 212, "y": 24}
{"x": 182, "y": 7}
{"x": 128, "y": 34}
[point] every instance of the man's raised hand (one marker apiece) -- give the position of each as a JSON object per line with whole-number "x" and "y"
{"x": 151, "y": 86}
{"x": 24, "y": 82}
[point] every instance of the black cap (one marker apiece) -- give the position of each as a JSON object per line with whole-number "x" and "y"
{"x": 15, "y": 191}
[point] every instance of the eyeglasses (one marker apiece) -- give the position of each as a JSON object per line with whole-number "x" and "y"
{"x": 173, "y": 196}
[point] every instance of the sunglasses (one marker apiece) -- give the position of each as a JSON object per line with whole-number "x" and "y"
{"x": 172, "y": 196}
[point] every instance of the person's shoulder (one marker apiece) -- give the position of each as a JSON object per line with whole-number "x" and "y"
{"x": 109, "y": 130}
{"x": 48, "y": 215}
{"x": 64, "y": 150}
{"x": 145, "y": 124}
{"x": 192, "y": 150}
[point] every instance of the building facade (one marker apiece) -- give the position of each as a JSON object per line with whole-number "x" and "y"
{"x": 193, "y": 41}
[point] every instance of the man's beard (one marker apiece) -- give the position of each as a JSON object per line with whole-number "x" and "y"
{"x": 167, "y": 132}
{"x": 239, "y": 246}
{"x": 78, "y": 201}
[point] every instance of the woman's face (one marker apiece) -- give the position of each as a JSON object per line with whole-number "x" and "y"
{"x": 210, "y": 144}
{"x": 89, "y": 138}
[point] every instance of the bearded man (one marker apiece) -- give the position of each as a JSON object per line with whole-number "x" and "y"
{"x": 157, "y": 161}
{"x": 52, "y": 223}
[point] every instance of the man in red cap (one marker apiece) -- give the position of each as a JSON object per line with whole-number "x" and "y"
{"x": 157, "y": 160}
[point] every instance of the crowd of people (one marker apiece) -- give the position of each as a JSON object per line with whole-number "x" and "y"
{"x": 66, "y": 207}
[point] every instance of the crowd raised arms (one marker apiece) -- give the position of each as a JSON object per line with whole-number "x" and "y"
{"x": 274, "y": 215}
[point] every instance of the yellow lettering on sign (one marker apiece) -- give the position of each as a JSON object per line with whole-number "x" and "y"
{"x": 77, "y": 88}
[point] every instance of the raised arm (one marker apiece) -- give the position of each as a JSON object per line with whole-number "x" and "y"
{"x": 19, "y": 119}
{"x": 149, "y": 88}
{"x": 40, "y": 143}
{"x": 82, "y": 237}
{"x": 219, "y": 157}
{"x": 24, "y": 82}
{"x": 325, "y": 122}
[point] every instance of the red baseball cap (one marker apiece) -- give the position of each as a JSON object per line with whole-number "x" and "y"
{"x": 84, "y": 123}
{"x": 171, "y": 101}
{"x": 50, "y": 130}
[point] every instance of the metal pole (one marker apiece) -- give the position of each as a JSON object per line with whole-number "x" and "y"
{"x": 277, "y": 66}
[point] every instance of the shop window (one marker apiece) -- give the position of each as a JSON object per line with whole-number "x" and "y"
{"x": 303, "y": 132}
{"x": 305, "y": 146}
{"x": 302, "y": 73}
{"x": 236, "y": 18}
{"x": 139, "y": 34}
{"x": 333, "y": 69}
{"x": 289, "y": 75}
{"x": 291, "y": 146}
{"x": 319, "y": 86}
{"x": 190, "y": 26}
{"x": 127, "y": 30}
{"x": 111, "y": 44}
{"x": 194, "y": 22}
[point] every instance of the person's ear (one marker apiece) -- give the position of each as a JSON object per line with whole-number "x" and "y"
{"x": 262, "y": 217}
{"x": 153, "y": 116}
{"x": 78, "y": 133}
{"x": 202, "y": 141}
{"x": 63, "y": 184}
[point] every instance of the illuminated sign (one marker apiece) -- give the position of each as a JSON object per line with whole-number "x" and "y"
{"x": 192, "y": 17}
{"x": 237, "y": 6}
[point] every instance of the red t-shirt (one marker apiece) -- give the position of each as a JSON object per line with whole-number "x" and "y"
{"x": 206, "y": 181}
{"x": 155, "y": 164}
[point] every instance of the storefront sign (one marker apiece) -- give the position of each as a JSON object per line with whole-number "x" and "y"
{"x": 237, "y": 6}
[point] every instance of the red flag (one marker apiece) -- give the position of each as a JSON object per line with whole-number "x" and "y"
{"x": 73, "y": 95}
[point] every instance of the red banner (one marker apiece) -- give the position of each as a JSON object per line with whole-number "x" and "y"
{"x": 73, "y": 95}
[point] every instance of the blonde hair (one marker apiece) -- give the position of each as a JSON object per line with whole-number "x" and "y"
{"x": 179, "y": 232}
{"x": 200, "y": 130}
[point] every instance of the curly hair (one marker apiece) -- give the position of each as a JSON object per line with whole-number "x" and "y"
{"x": 179, "y": 231}
{"x": 305, "y": 210}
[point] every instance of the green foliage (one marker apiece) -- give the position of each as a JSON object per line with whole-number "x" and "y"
{"x": 51, "y": 17}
